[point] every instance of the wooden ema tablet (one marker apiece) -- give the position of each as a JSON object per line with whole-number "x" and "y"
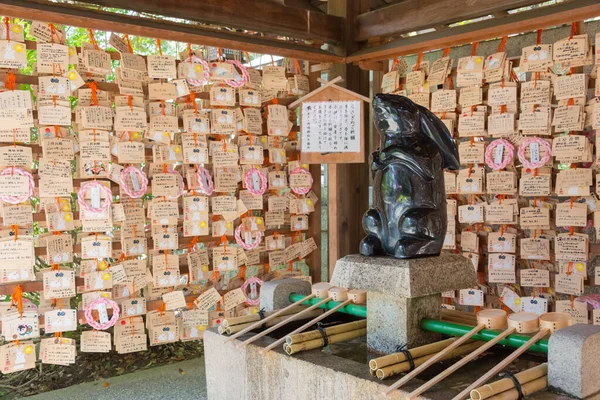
{"x": 492, "y": 318}
{"x": 524, "y": 322}
{"x": 321, "y": 289}
{"x": 338, "y": 294}
{"x": 357, "y": 296}
{"x": 554, "y": 321}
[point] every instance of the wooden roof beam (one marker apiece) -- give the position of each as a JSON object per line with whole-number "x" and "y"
{"x": 545, "y": 17}
{"x": 254, "y": 15}
{"x": 415, "y": 15}
{"x": 146, "y": 27}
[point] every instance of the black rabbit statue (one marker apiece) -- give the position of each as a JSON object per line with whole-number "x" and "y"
{"x": 408, "y": 218}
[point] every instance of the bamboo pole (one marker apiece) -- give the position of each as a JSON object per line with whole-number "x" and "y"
{"x": 244, "y": 319}
{"x": 279, "y": 325}
{"x": 402, "y": 367}
{"x": 230, "y": 330}
{"x": 502, "y": 385}
{"x": 318, "y": 343}
{"x": 433, "y": 359}
{"x": 469, "y": 318}
{"x": 528, "y": 388}
{"x": 457, "y": 365}
{"x": 500, "y": 366}
{"x": 330, "y": 331}
{"x": 415, "y": 353}
{"x": 259, "y": 323}
{"x": 306, "y": 326}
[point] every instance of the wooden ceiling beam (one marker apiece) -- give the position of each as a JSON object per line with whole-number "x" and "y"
{"x": 253, "y": 15}
{"x": 414, "y": 15}
{"x": 165, "y": 30}
{"x": 545, "y": 17}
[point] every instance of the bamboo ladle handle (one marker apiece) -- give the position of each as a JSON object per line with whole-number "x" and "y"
{"x": 454, "y": 367}
{"x": 306, "y": 326}
{"x": 285, "y": 321}
{"x": 270, "y": 317}
{"x": 434, "y": 359}
{"x": 500, "y": 366}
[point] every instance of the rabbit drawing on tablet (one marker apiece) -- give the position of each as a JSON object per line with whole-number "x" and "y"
{"x": 408, "y": 218}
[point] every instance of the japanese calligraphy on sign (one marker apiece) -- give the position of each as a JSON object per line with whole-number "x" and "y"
{"x": 331, "y": 127}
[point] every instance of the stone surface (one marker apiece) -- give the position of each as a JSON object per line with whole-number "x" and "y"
{"x": 165, "y": 382}
{"x": 393, "y": 321}
{"x": 245, "y": 374}
{"x": 405, "y": 278}
{"x": 574, "y": 360}
{"x": 275, "y": 294}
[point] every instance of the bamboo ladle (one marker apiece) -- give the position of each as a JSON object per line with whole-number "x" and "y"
{"x": 337, "y": 294}
{"x": 434, "y": 359}
{"x": 317, "y": 291}
{"x": 493, "y": 319}
{"x": 549, "y": 322}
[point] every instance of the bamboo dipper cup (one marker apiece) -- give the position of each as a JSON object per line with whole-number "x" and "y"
{"x": 524, "y": 322}
{"x": 554, "y": 321}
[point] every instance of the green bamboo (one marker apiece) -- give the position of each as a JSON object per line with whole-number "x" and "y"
{"x": 443, "y": 327}
{"x": 452, "y": 329}
{"x": 352, "y": 309}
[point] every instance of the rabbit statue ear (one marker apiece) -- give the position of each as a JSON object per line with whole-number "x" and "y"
{"x": 437, "y": 132}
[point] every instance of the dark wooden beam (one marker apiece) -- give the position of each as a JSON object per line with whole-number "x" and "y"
{"x": 414, "y": 15}
{"x": 348, "y": 191}
{"x": 545, "y": 17}
{"x": 146, "y": 27}
{"x": 303, "y": 4}
{"x": 254, "y": 15}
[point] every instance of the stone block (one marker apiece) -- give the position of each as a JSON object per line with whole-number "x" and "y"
{"x": 393, "y": 321}
{"x": 573, "y": 360}
{"x": 274, "y": 295}
{"x": 405, "y": 278}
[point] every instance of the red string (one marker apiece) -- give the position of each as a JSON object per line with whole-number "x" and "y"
{"x": 93, "y": 39}
{"x": 474, "y": 48}
{"x": 502, "y": 45}
{"x": 6, "y": 23}
{"x": 126, "y": 38}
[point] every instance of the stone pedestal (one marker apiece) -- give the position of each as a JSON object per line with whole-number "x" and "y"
{"x": 400, "y": 293}
{"x": 573, "y": 358}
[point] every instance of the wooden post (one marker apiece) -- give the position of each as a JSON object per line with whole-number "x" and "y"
{"x": 348, "y": 184}
{"x": 314, "y": 221}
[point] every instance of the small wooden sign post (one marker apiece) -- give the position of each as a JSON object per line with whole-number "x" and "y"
{"x": 332, "y": 124}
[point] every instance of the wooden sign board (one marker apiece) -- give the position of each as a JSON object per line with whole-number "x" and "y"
{"x": 332, "y": 125}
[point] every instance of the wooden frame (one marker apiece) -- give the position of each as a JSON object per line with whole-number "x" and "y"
{"x": 88, "y": 18}
{"x": 254, "y": 15}
{"x": 520, "y": 22}
{"x": 413, "y": 15}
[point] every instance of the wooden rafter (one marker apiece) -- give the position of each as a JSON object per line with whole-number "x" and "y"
{"x": 254, "y": 15}
{"x": 87, "y": 18}
{"x": 414, "y": 15}
{"x": 493, "y": 28}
